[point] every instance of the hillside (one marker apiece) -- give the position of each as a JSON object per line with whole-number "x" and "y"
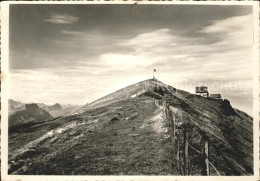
{"x": 126, "y": 133}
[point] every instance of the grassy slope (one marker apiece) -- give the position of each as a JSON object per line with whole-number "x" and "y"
{"x": 229, "y": 130}
{"x": 118, "y": 134}
{"x": 123, "y": 138}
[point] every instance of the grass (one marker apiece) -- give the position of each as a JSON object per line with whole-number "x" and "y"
{"x": 119, "y": 135}
{"x": 121, "y": 143}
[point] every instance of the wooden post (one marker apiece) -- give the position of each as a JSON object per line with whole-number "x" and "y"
{"x": 170, "y": 122}
{"x": 174, "y": 128}
{"x": 186, "y": 153}
{"x": 172, "y": 118}
{"x": 165, "y": 109}
{"x": 205, "y": 156}
{"x": 178, "y": 153}
{"x": 168, "y": 117}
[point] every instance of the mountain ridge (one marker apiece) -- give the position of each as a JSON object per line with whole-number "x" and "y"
{"x": 31, "y": 113}
{"x": 195, "y": 107}
{"x": 125, "y": 129}
{"x": 55, "y": 110}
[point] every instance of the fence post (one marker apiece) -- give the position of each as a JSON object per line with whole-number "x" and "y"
{"x": 205, "y": 156}
{"x": 178, "y": 153}
{"x": 165, "y": 108}
{"x": 174, "y": 127}
{"x": 186, "y": 154}
{"x": 172, "y": 119}
{"x": 168, "y": 116}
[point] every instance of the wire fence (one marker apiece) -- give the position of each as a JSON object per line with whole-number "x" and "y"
{"x": 180, "y": 150}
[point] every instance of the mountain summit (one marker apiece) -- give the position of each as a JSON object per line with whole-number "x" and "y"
{"x": 127, "y": 132}
{"x": 132, "y": 91}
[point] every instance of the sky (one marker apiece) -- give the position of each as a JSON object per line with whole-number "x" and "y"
{"x": 75, "y": 54}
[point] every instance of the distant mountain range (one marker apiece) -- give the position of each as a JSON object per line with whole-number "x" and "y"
{"x": 31, "y": 113}
{"x": 127, "y": 133}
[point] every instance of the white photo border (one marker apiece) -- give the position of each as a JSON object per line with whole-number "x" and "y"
{"x": 5, "y": 86}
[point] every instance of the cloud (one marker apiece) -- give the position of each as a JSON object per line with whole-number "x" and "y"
{"x": 103, "y": 61}
{"x": 172, "y": 53}
{"x": 236, "y": 30}
{"x": 62, "y": 19}
{"x": 195, "y": 60}
{"x": 66, "y": 32}
{"x": 123, "y": 61}
{"x": 150, "y": 39}
{"x": 232, "y": 24}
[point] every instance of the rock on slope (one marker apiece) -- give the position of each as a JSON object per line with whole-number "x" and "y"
{"x": 125, "y": 133}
